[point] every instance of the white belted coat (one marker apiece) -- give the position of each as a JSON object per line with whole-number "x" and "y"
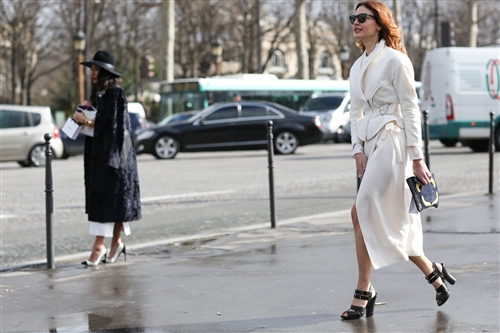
{"x": 386, "y": 127}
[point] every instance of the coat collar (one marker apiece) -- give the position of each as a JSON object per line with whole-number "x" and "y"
{"x": 360, "y": 67}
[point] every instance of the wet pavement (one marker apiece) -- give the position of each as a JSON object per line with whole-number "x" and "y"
{"x": 298, "y": 277}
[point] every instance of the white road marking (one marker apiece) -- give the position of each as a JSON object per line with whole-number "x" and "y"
{"x": 186, "y": 195}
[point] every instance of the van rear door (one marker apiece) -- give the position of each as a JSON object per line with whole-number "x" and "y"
{"x": 16, "y": 134}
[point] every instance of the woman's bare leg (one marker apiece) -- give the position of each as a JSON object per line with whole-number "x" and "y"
{"x": 425, "y": 265}
{"x": 116, "y": 238}
{"x": 364, "y": 261}
{"x": 96, "y": 248}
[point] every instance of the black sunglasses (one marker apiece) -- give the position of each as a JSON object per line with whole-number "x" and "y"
{"x": 361, "y": 17}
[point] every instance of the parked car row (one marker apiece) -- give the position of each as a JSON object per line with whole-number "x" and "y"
{"x": 224, "y": 126}
{"x": 23, "y": 129}
{"x": 137, "y": 122}
{"x": 232, "y": 126}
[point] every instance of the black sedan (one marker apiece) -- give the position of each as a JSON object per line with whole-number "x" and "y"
{"x": 77, "y": 146}
{"x": 232, "y": 126}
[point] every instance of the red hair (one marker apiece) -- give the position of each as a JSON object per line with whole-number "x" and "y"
{"x": 390, "y": 31}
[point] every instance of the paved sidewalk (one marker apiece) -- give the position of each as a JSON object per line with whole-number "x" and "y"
{"x": 298, "y": 277}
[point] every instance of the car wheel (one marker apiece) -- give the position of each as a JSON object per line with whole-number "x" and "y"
{"x": 478, "y": 146}
{"x": 24, "y": 164}
{"x": 65, "y": 155}
{"x": 286, "y": 143}
{"x": 37, "y": 156}
{"x": 166, "y": 147}
{"x": 449, "y": 142}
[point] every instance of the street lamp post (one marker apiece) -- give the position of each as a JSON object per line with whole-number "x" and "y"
{"x": 217, "y": 53}
{"x": 79, "y": 44}
{"x": 344, "y": 57}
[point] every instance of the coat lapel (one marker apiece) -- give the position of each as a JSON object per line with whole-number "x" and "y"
{"x": 356, "y": 79}
{"x": 361, "y": 67}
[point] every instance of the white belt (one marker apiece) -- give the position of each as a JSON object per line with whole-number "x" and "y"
{"x": 393, "y": 130}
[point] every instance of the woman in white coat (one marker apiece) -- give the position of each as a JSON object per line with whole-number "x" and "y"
{"x": 386, "y": 137}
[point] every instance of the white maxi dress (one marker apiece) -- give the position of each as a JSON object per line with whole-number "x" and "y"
{"x": 390, "y": 232}
{"x": 106, "y": 229}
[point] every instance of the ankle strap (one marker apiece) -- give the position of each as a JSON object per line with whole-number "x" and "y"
{"x": 433, "y": 276}
{"x": 364, "y": 295}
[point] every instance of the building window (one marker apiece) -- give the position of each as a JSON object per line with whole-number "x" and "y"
{"x": 277, "y": 62}
{"x": 326, "y": 64}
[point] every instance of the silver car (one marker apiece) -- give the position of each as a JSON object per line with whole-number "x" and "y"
{"x": 333, "y": 110}
{"x": 22, "y": 134}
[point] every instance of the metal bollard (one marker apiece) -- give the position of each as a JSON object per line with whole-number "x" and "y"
{"x": 49, "y": 202}
{"x": 491, "y": 151}
{"x": 426, "y": 139}
{"x": 270, "y": 153}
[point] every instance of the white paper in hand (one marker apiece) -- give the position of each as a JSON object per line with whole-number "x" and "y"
{"x": 90, "y": 113}
{"x": 71, "y": 128}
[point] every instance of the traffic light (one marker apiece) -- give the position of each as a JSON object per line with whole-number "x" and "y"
{"x": 147, "y": 67}
{"x": 447, "y": 34}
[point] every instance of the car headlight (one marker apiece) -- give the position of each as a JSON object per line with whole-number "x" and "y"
{"x": 143, "y": 135}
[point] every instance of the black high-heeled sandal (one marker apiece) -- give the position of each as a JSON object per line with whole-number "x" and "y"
{"x": 356, "y": 312}
{"x": 442, "y": 292}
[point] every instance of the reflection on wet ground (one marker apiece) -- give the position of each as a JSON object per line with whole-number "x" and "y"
{"x": 92, "y": 322}
{"x": 296, "y": 278}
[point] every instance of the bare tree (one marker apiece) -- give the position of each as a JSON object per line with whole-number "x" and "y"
{"x": 131, "y": 33}
{"x": 197, "y": 24}
{"x": 124, "y": 28}
{"x": 336, "y": 15}
{"x": 321, "y": 36}
{"x": 419, "y": 32}
{"x": 243, "y": 35}
{"x": 461, "y": 14}
{"x": 488, "y": 27}
{"x": 276, "y": 29}
{"x": 20, "y": 47}
{"x": 168, "y": 40}
{"x": 300, "y": 30}
{"x": 61, "y": 65}
{"x": 396, "y": 9}
{"x": 472, "y": 22}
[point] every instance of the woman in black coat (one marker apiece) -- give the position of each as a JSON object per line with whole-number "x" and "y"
{"x": 112, "y": 195}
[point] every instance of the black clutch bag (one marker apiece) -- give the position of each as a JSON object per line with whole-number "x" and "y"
{"x": 424, "y": 196}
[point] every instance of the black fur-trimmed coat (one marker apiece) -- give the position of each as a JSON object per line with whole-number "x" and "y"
{"x": 111, "y": 179}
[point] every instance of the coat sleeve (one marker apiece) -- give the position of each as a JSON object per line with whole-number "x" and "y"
{"x": 355, "y": 114}
{"x": 404, "y": 85}
{"x": 116, "y": 110}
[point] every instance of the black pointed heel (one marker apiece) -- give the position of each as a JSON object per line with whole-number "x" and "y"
{"x": 119, "y": 250}
{"x": 447, "y": 276}
{"x": 101, "y": 258}
{"x": 442, "y": 292}
{"x": 356, "y": 312}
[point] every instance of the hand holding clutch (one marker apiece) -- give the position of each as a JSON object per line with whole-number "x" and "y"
{"x": 424, "y": 196}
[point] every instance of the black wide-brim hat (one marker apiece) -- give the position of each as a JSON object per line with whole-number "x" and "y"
{"x": 103, "y": 59}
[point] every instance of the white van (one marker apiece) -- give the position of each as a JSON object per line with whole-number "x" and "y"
{"x": 135, "y": 107}
{"x": 22, "y": 130}
{"x": 333, "y": 111}
{"x": 460, "y": 87}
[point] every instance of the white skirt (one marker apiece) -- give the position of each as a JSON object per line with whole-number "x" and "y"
{"x": 390, "y": 232}
{"x": 106, "y": 229}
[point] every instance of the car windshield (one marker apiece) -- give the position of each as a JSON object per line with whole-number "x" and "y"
{"x": 175, "y": 118}
{"x": 325, "y": 103}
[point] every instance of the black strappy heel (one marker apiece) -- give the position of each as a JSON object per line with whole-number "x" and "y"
{"x": 442, "y": 292}
{"x": 356, "y": 312}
